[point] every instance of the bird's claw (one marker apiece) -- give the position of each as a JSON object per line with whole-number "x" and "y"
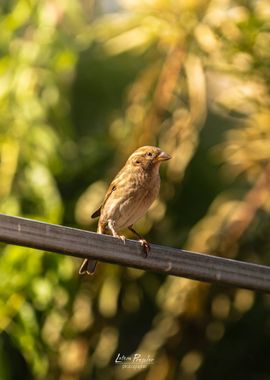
{"x": 122, "y": 237}
{"x": 145, "y": 246}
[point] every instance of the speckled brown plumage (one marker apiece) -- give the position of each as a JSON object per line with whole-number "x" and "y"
{"x": 129, "y": 196}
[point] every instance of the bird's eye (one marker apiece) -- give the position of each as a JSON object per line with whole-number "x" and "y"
{"x": 149, "y": 154}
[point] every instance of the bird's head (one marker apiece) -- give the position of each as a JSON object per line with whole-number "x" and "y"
{"x": 148, "y": 156}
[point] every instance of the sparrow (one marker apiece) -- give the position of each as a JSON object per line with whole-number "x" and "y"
{"x": 128, "y": 197}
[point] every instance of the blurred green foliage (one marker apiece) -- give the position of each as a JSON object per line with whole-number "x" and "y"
{"x": 82, "y": 85}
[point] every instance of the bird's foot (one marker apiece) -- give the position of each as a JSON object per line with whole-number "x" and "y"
{"x": 145, "y": 246}
{"x": 122, "y": 237}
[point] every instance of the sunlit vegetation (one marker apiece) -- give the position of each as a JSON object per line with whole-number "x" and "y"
{"x": 81, "y": 87}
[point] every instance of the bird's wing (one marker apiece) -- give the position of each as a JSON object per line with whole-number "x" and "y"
{"x": 111, "y": 188}
{"x": 96, "y": 213}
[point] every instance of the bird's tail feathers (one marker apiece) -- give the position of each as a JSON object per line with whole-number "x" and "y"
{"x": 88, "y": 266}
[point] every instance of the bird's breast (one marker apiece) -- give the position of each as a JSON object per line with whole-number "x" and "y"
{"x": 137, "y": 202}
{"x": 131, "y": 200}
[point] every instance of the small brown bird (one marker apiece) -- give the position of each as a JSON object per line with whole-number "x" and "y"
{"x": 129, "y": 196}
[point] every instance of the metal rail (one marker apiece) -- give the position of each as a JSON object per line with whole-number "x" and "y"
{"x": 177, "y": 262}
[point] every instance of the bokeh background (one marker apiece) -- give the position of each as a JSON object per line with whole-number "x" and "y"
{"x": 82, "y": 84}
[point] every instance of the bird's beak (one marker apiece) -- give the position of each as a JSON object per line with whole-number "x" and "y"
{"x": 163, "y": 156}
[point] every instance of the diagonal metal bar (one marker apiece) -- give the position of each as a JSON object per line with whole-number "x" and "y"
{"x": 177, "y": 262}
